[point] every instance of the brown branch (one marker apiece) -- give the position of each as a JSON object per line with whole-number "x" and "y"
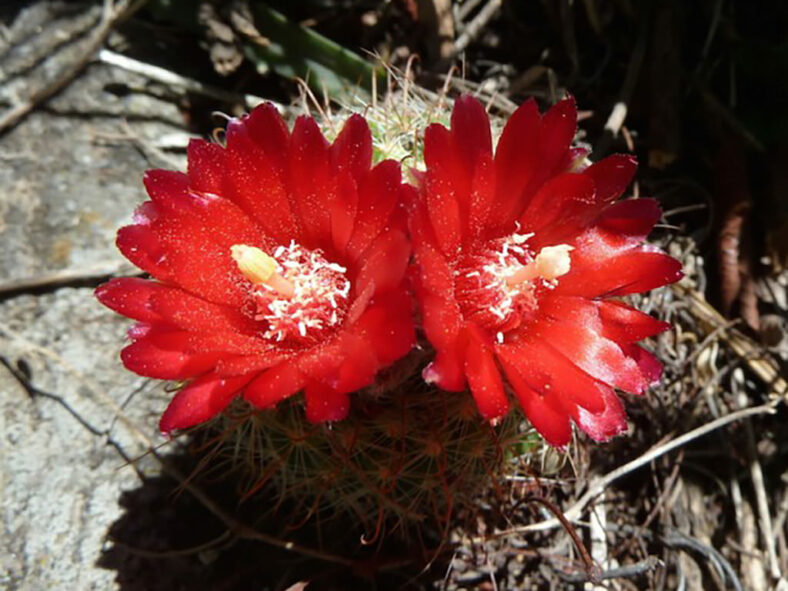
{"x": 593, "y": 572}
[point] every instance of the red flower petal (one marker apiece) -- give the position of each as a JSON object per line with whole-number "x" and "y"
{"x": 548, "y": 419}
{"x": 229, "y": 224}
{"x": 610, "y": 422}
{"x": 627, "y": 325}
{"x": 357, "y": 366}
{"x": 275, "y": 385}
{"x": 255, "y": 174}
{"x": 531, "y": 150}
{"x": 442, "y": 196}
{"x": 633, "y": 271}
{"x": 352, "y": 150}
{"x": 325, "y": 404}
{"x": 482, "y": 196}
{"x": 211, "y": 342}
{"x": 311, "y": 182}
{"x": 146, "y": 358}
{"x": 484, "y": 378}
{"x": 197, "y": 264}
{"x": 559, "y": 126}
{"x": 470, "y": 127}
{"x": 548, "y": 372}
{"x": 575, "y": 160}
{"x": 343, "y": 212}
{"x": 178, "y": 247}
{"x": 516, "y": 159}
{"x": 385, "y": 262}
{"x": 242, "y": 365}
{"x": 633, "y": 218}
{"x": 166, "y": 187}
{"x": 558, "y": 198}
{"x": 201, "y": 400}
{"x": 447, "y": 370}
{"x": 130, "y": 296}
{"x": 192, "y": 313}
{"x": 140, "y": 245}
{"x": 382, "y": 191}
{"x": 573, "y": 327}
{"x": 436, "y": 275}
{"x": 649, "y": 365}
{"x": 387, "y": 326}
{"x": 612, "y": 175}
{"x": 441, "y": 318}
{"x": 268, "y": 130}
{"x": 346, "y": 363}
{"x": 146, "y": 213}
{"x": 207, "y": 166}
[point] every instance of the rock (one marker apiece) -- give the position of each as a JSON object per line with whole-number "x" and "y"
{"x": 71, "y": 176}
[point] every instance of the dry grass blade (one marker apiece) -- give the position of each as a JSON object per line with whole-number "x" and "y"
{"x": 597, "y": 487}
{"x": 758, "y": 360}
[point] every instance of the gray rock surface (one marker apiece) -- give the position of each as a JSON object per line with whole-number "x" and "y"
{"x": 71, "y": 174}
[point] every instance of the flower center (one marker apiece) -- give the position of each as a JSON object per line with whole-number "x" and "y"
{"x": 498, "y": 284}
{"x": 298, "y": 293}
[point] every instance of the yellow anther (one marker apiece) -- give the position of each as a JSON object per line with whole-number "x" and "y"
{"x": 256, "y": 265}
{"x": 260, "y": 268}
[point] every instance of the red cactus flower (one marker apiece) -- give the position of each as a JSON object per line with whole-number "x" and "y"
{"x": 520, "y": 257}
{"x": 279, "y": 263}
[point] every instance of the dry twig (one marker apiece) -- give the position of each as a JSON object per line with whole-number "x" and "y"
{"x": 598, "y": 486}
{"x": 624, "y": 572}
{"x": 475, "y": 27}
{"x": 176, "y": 80}
{"x": 66, "y": 278}
{"x": 619, "y": 113}
{"x": 758, "y": 360}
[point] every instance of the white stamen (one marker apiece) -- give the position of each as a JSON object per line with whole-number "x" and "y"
{"x": 521, "y": 238}
{"x": 319, "y": 295}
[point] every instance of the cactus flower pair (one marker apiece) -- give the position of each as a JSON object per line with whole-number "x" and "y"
{"x": 280, "y": 264}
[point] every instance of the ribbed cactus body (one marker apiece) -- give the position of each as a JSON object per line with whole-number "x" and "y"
{"x": 407, "y": 457}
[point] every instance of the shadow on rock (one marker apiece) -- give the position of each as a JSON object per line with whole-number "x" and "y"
{"x": 167, "y": 540}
